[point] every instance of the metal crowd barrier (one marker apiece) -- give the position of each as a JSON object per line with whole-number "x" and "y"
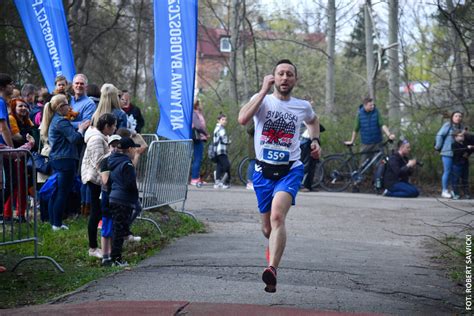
{"x": 166, "y": 173}
{"x": 140, "y": 169}
{"x": 18, "y": 197}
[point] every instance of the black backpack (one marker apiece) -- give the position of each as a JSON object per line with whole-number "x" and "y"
{"x": 212, "y": 149}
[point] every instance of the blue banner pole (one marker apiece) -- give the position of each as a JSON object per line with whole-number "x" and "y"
{"x": 46, "y": 27}
{"x": 174, "y": 65}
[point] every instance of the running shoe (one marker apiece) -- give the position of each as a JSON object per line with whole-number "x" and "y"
{"x": 269, "y": 278}
{"x": 194, "y": 181}
{"x": 99, "y": 226}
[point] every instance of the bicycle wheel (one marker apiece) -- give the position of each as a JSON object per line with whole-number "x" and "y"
{"x": 336, "y": 175}
{"x": 242, "y": 170}
{"x": 317, "y": 176}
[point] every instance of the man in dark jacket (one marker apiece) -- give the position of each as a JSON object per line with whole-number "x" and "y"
{"x": 370, "y": 124}
{"x": 397, "y": 172}
{"x": 123, "y": 195}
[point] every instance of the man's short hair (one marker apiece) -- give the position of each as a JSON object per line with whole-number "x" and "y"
{"x": 285, "y": 61}
{"x": 5, "y": 80}
{"x": 86, "y": 81}
{"x": 28, "y": 89}
{"x": 367, "y": 100}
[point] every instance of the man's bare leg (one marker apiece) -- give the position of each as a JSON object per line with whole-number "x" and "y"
{"x": 280, "y": 206}
{"x": 273, "y": 227}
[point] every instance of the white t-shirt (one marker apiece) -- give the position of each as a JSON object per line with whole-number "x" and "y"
{"x": 277, "y": 129}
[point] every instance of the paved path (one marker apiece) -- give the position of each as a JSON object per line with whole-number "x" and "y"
{"x": 345, "y": 252}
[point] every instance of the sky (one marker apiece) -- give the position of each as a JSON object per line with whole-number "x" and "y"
{"x": 411, "y": 11}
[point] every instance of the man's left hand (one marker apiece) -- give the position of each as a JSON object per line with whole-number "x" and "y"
{"x": 315, "y": 150}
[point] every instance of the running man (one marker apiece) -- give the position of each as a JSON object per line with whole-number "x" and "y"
{"x": 278, "y": 172}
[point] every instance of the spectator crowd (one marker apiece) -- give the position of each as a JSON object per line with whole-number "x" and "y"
{"x": 87, "y": 141}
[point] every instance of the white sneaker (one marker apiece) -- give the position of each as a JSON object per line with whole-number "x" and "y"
{"x": 64, "y": 227}
{"x": 55, "y": 228}
{"x": 120, "y": 264}
{"x": 133, "y": 238}
{"x": 95, "y": 253}
{"x": 249, "y": 186}
{"x": 225, "y": 186}
{"x": 445, "y": 194}
{"x": 385, "y": 192}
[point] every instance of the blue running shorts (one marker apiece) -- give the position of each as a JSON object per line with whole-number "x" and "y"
{"x": 106, "y": 230}
{"x": 265, "y": 189}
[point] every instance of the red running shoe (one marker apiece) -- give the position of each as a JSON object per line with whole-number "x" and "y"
{"x": 269, "y": 278}
{"x": 267, "y": 254}
{"x": 100, "y": 225}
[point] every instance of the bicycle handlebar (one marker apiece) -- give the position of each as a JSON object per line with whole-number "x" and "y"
{"x": 383, "y": 144}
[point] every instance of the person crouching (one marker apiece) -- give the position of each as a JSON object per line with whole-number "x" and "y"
{"x": 123, "y": 195}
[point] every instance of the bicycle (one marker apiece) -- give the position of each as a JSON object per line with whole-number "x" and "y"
{"x": 340, "y": 170}
{"x": 242, "y": 170}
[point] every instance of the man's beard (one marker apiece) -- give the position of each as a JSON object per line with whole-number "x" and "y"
{"x": 284, "y": 93}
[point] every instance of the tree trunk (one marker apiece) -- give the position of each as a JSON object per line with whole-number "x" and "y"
{"x": 331, "y": 51}
{"x": 369, "y": 49}
{"x": 137, "y": 49}
{"x": 234, "y": 38}
{"x": 394, "y": 75}
{"x": 458, "y": 84}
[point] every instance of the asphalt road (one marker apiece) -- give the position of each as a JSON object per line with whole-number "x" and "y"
{"x": 345, "y": 252}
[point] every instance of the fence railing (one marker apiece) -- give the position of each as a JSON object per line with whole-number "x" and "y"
{"x": 167, "y": 169}
{"x": 18, "y": 198}
{"x": 148, "y": 138}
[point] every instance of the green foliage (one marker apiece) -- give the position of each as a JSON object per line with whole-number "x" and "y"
{"x": 284, "y": 23}
{"x": 16, "y": 57}
{"x": 37, "y": 281}
{"x": 150, "y": 114}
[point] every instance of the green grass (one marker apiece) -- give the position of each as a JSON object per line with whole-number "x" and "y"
{"x": 37, "y": 281}
{"x": 451, "y": 254}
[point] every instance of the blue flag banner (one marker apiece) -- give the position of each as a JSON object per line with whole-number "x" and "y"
{"x": 174, "y": 65}
{"x": 46, "y": 27}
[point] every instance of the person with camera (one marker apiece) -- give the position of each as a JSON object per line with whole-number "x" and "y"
{"x": 399, "y": 168}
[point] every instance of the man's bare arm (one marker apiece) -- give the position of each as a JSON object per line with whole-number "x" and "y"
{"x": 248, "y": 111}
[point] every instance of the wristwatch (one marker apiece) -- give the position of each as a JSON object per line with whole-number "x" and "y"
{"x": 316, "y": 139}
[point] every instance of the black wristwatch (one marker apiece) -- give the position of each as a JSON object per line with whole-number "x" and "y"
{"x": 316, "y": 139}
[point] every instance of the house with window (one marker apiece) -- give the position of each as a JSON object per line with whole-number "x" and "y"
{"x": 213, "y": 53}
{"x": 214, "y": 48}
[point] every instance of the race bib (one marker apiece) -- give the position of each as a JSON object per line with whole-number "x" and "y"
{"x": 276, "y": 155}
